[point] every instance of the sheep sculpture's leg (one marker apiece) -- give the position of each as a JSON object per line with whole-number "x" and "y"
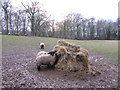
{"x": 38, "y": 67}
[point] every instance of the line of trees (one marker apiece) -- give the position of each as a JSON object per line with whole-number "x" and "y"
{"x": 76, "y": 27}
{"x": 31, "y": 20}
{"x": 35, "y": 21}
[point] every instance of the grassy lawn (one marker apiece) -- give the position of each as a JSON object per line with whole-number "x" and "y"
{"x": 108, "y": 49}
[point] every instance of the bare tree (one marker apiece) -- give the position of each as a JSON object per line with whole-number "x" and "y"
{"x": 42, "y": 24}
{"x": 24, "y": 24}
{"x": 118, "y": 28}
{"x": 5, "y": 7}
{"x": 52, "y": 24}
{"x": 92, "y": 28}
{"x": 84, "y": 27}
{"x": 77, "y": 22}
{"x": 60, "y": 28}
{"x": 32, "y": 9}
{"x": 10, "y": 20}
{"x": 74, "y": 21}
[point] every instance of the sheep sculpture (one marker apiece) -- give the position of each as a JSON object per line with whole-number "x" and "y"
{"x": 46, "y": 58}
{"x": 72, "y": 57}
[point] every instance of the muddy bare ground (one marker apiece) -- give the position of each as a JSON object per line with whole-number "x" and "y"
{"x": 19, "y": 70}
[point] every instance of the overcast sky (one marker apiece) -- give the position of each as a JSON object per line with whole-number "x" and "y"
{"x": 100, "y": 9}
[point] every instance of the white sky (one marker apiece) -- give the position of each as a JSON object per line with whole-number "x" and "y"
{"x": 100, "y": 9}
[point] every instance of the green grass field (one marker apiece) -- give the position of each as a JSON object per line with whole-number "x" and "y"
{"x": 106, "y": 48}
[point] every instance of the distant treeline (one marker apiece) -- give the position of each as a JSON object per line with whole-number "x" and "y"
{"x": 35, "y": 21}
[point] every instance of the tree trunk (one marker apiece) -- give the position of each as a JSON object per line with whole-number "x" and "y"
{"x": 119, "y": 29}
{"x": 24, "y": 24}
{"x": 6, "y": 18}
{"x": 10, "y": 22}
{"x": 84, "y": 32}
{"x": 97, "y": 33}
{"x": 108, "y": 34}
{"x": 78, "y": 32}
{"x": 32, "y": 25}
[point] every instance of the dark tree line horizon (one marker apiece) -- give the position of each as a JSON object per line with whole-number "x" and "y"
{"x": 32, "y": 20}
